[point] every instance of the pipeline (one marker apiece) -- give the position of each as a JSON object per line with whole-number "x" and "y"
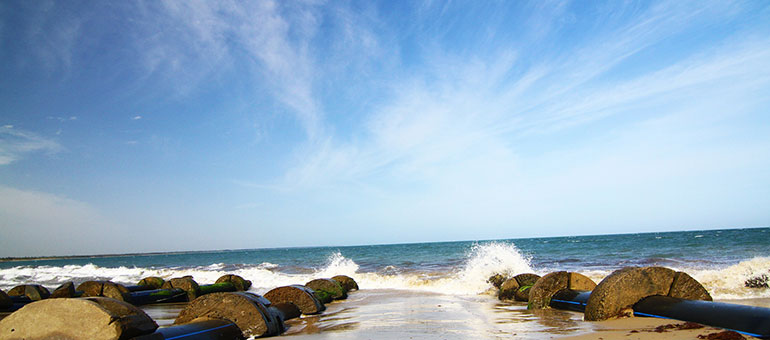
{"x": 200, "y": 330}
{"x": 749, "y": 320}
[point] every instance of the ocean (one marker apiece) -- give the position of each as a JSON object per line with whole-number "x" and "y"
{"x": 721, "y": 260}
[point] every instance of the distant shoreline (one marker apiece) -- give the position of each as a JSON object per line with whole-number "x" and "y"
{"x": 70, "y": 257}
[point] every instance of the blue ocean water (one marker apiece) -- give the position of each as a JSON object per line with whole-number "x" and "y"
{"x": 721, "y": 259}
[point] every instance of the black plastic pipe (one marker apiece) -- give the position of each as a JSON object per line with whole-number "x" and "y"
{"x": 145, "y": 297}
{"x": 574, "y": 300}
{"x": 749, "y": 320}
{"x": 201, "y": 330}
{"x": 138, "y": 288}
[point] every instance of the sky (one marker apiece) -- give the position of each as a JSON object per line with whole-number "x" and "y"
{"x": 135, "y": 126}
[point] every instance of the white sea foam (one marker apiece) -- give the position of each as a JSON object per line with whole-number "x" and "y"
{"x": 729, "y": 283}
{"x": 482, "y": 262}
{"x": 469, "y": 278}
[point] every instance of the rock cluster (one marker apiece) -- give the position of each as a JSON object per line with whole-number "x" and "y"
{"x": 107, "y": 309}
{"x": 761, "y": 281}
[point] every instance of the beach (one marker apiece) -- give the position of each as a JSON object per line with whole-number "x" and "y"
{"x": 440, "y": 290}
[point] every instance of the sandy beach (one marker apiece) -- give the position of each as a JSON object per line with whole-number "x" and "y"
{"x": 401, "y": 314}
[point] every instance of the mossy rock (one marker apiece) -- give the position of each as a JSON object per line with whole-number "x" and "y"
{"x": 302, "y": 297}
{"x": 238, "y": 282}
{"x": 66, "y": 290}
{"x": 545, "y": 287}
{"x": 104, "y": 288}
{"x": 497, "y": 280}
{"x": 220, "y": 287}
{"x": 245, "y": 310}
{"x": 94, "y": 318}
{"x": 186, "y": 284}
{"x": 33, "y": 292}
{"x": 152, "y": 281}
{"x": 331, "y": 287}
{"x": 615, "y": 296}
{"x": 346, "y": 282}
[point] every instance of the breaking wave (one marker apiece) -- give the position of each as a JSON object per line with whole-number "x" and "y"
{"x": 467, "y": 278}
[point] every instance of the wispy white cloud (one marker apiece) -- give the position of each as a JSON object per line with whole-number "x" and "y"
{"x": 136, "y": 117}
{"x": 15, "y": 144}
{"x": 490, "y": 137}
{"x": 271, "y": 41}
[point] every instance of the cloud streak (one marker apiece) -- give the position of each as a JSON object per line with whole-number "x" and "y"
{"x": 15, "y": 144}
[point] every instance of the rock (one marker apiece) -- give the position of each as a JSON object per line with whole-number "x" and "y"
{"x": 346, "y": 282}
{"x": 220, "y": 287}
{"x": 66, "y": 290}
{"x": 497, "y": 280}
{"x": 761, "y": 281}
{"x": 5, "y": 300}
{"x": 104, "y": 288}
{"x": 33, "y": 292}
{"x": 327, "y": 290}
{"x": 300, "y": 296}
{"x": 544, "y": 288}
{"x": 526, "y": 281}
{"x": 508, "y": 289}
{"x": 685, "y": 287}
{"x": 185, "y": 283}
{"x": 152, "y": 281}
{"x": 617, "y": 293}
{"x": 240, "y": 283}
{"x": 94, "y": 318}
{"x": 243, "y": 309}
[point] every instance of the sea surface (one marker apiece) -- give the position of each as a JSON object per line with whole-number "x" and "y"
{"x": 721, "y": 260}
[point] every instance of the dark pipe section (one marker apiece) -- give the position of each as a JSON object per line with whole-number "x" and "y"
{"x": 138, "y": 288}
{"x": 750, "y": 320}
{"x": 201, "y": 330}
{"x": 574, "y": 300}
{"x": 146, "y": 297}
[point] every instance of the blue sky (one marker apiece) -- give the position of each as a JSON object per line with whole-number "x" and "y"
{"x": 183, "y": 125}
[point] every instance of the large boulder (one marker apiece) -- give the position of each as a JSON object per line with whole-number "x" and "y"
{"x": 95, "y": 318}
{"x": 247, "y": 311}
{"x": 66, "y": 290}
{"x": 152, "y": 281}
{"x": 185, "y": 283}
{"x": 327, "y": 290}
{"x": 104, "y": 288}
{"x": 518, "y": 287}
{"x": 346, "y": 282}
{"x": 33, "y": 292}
{"x": 240, "y": 283}
{"x": 543, "y": 290}
{"x": 300, "y": 296}
{"x": 616, "y": 295}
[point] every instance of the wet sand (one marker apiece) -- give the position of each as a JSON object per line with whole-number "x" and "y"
{"x": 405, "y": 314}
{"x": 397, "y": 314}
